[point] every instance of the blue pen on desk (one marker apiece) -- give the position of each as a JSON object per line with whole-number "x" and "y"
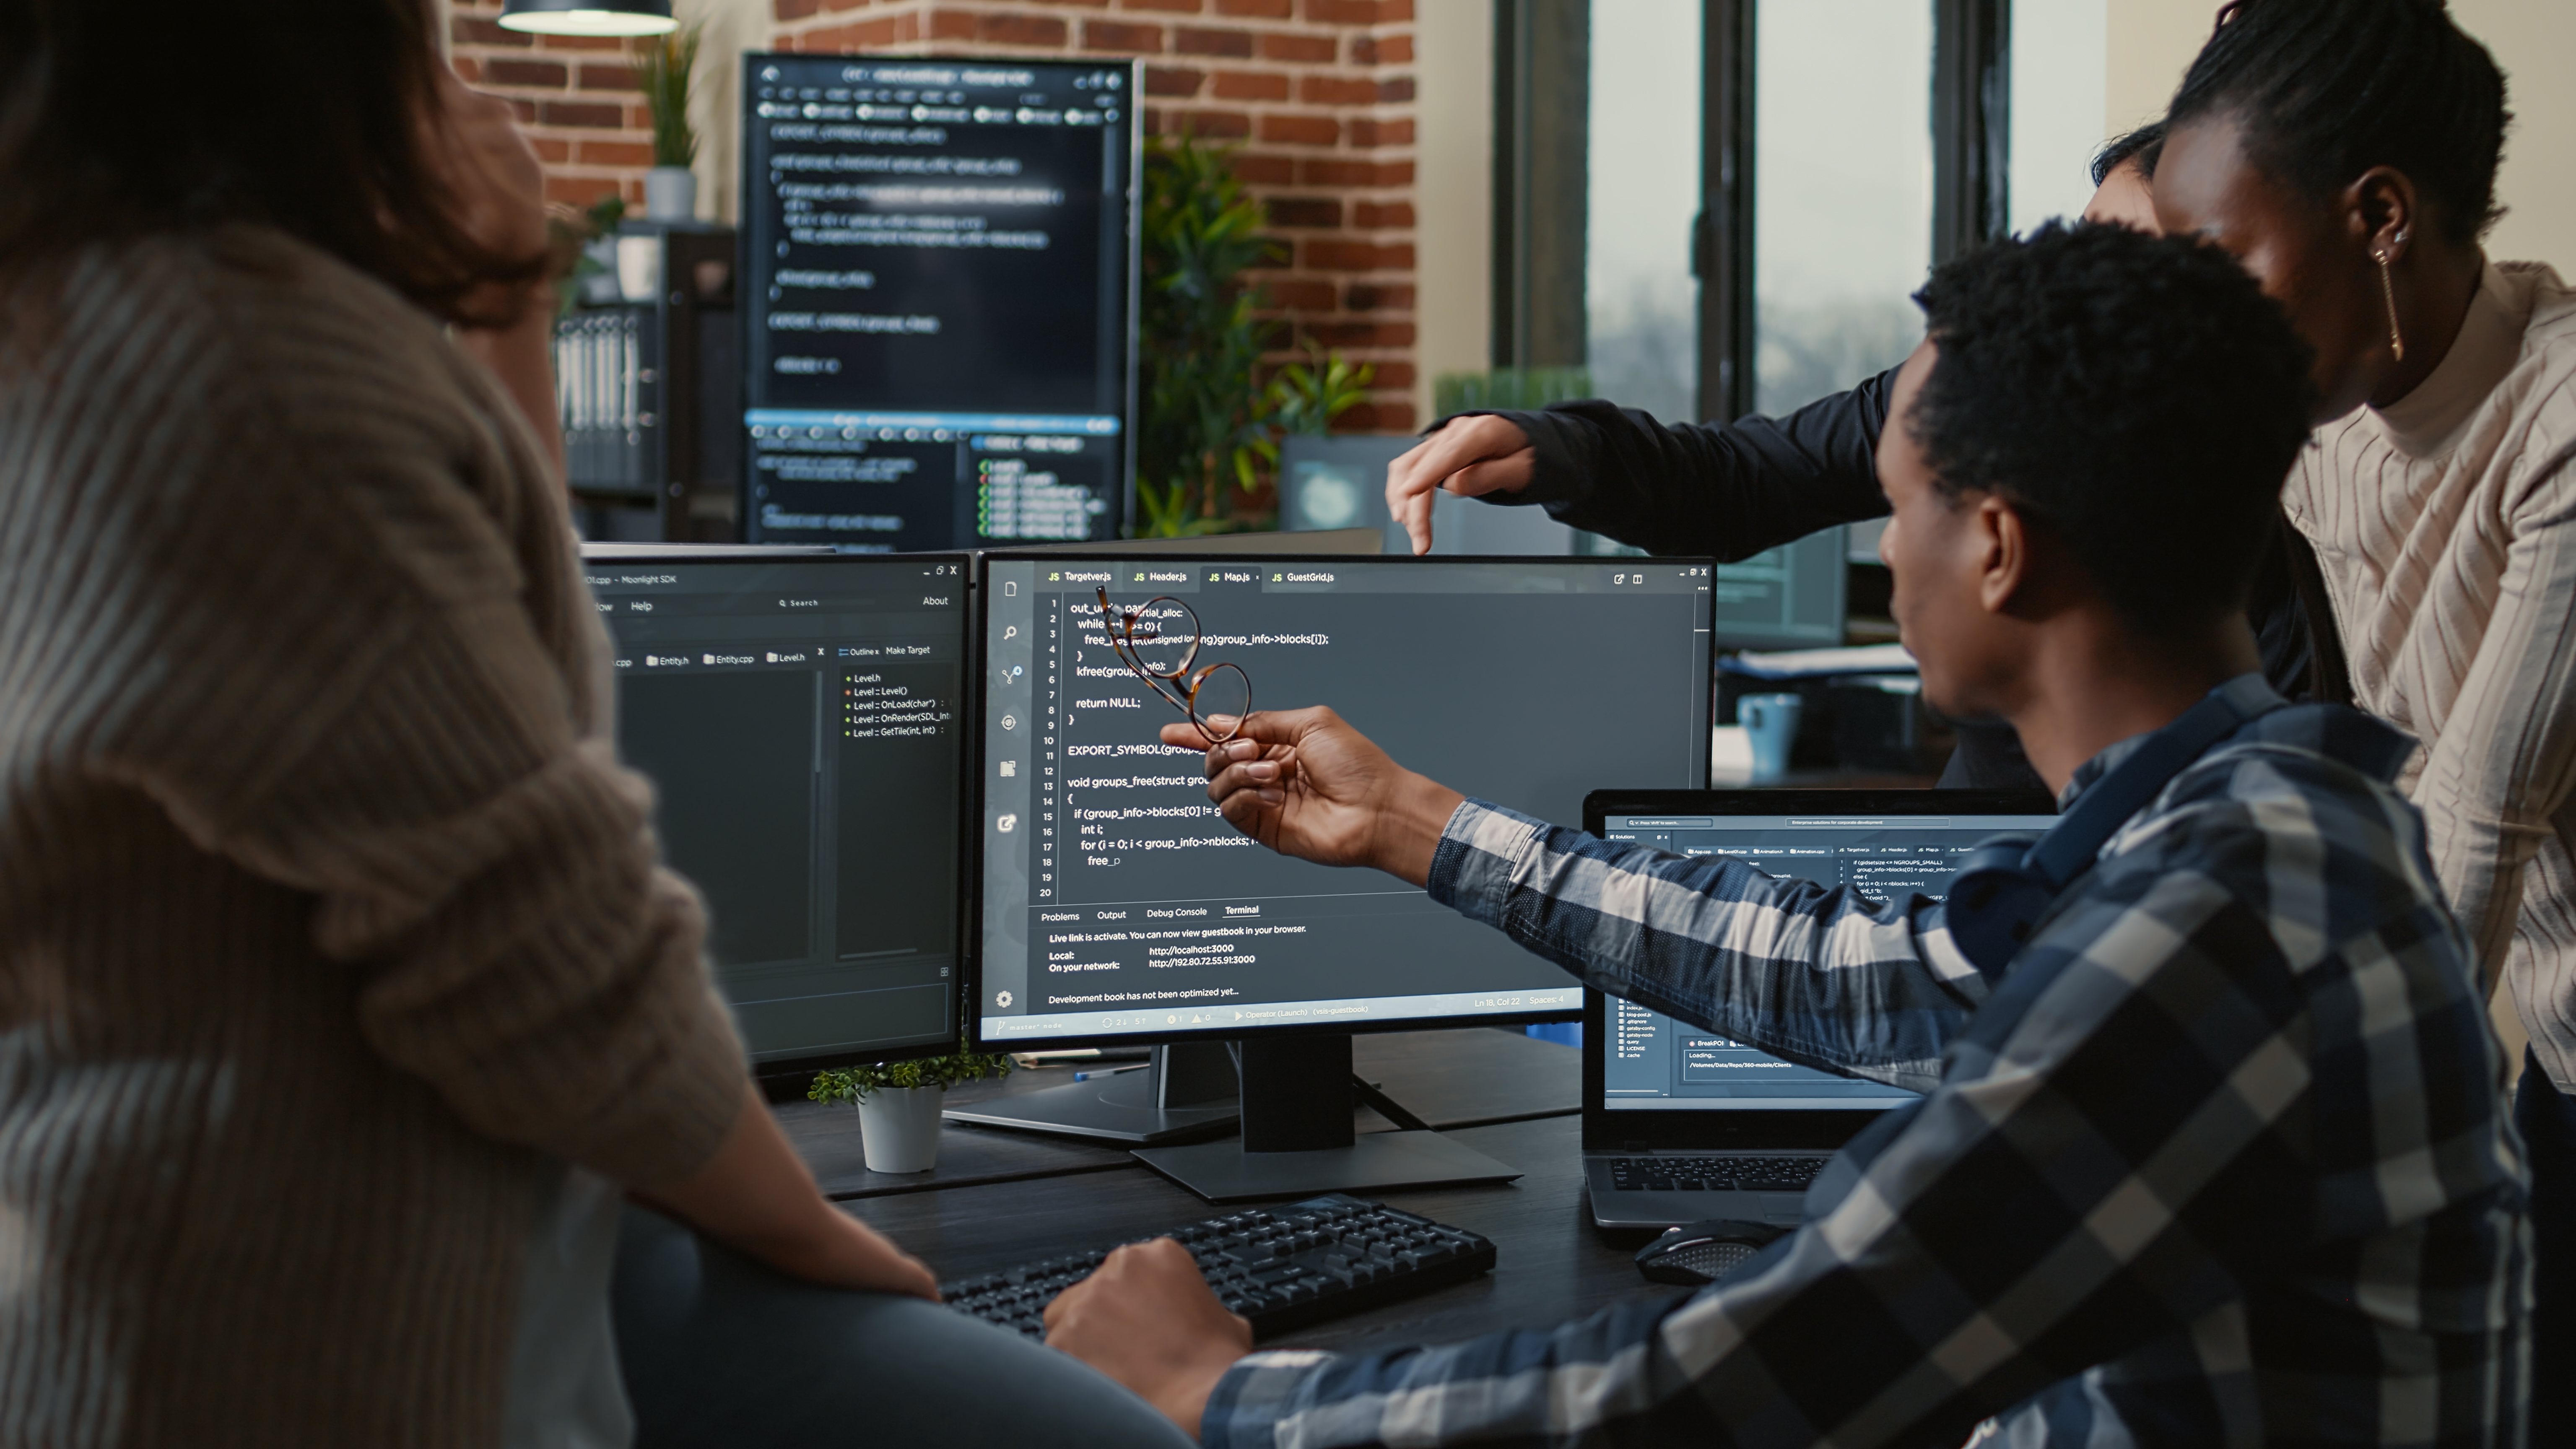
{"x": 1111, "y": 1071}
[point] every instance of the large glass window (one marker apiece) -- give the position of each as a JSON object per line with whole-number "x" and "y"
{"x": 1842, "y": 176}
{"x": 1641, "y": 303}
{"x": 2058, "y": 101}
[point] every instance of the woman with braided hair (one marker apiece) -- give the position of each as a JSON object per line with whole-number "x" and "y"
{"x": 2345, "y": 151}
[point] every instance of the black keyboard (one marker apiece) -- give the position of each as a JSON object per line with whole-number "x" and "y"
{"x": 1282, "y": 1268}
{"x": 1714, "y": 1174}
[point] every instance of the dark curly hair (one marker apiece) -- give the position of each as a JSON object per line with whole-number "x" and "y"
{"x": 2143, "y": 145}
{"x": 171, "y": 115}
{"x": 2139, "y": 396}
{"x": 2330, "y": 88}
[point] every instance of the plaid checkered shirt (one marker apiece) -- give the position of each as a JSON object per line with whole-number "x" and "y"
{"x": 2219, "y": 1159}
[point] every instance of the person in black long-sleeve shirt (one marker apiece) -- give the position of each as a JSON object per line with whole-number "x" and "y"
{"x": 1732, "y": 490}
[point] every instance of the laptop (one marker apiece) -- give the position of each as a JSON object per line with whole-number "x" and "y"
{"x": 1681, "y": 1125}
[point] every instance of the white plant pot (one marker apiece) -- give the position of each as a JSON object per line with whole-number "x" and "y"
{"x": 899, "y": 1128}
{"x": 670, "y": 194}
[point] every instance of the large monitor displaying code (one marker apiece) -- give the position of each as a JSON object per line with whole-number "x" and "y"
{"x": 803, "y": 724}
{"x": 1654, "y": 1062}
{"x": 939, "y": 265}
{"x": 1117, "y": 903}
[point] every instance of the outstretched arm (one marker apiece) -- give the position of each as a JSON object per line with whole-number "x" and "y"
{"x": 1823, "y": 977}
{"x": 1727, "y": 489}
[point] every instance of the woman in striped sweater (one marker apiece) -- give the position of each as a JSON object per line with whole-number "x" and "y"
{"x": 2346, "y": 151}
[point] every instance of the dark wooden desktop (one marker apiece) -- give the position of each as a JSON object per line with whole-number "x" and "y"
{"x": 999, "y": 1198}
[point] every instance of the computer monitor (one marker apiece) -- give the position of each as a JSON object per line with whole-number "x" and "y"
{"x": 1790, "y": 597}
{"x": 1663, "y": 1083}
{"x": 938, "y": 299}
{"x": 1117, "y": 907}
{"x": 801, "y": 715}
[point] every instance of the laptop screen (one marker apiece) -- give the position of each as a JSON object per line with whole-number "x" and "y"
{"x": 1654, "y": 1063}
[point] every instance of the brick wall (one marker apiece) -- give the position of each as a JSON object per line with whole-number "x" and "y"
{"x": 1319, "y": 94}
{"x": 575, "y": 95}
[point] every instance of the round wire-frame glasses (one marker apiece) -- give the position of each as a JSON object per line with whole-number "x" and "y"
{"x": 1164, "y": 657}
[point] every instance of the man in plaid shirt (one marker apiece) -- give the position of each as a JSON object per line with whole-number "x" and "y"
{"x": 2216, "y": 1158}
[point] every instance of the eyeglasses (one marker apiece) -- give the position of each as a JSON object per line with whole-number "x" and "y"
{"x": 1158, "y": 641}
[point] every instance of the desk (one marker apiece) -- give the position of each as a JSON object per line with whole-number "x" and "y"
{"x": 1000, "y": 1197}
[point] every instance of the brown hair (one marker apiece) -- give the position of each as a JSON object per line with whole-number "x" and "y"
{"x": 172, "y": 115}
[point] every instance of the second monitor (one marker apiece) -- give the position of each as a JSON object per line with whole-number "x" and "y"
{"x": 1118, "y": 907}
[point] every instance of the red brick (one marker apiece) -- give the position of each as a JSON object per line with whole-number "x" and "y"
{"x": 578, "y": 191}
{"x": 579, "y": 42}
{"x": 1125, "y": 39}
{"x": 1276, "y": 251}
{"x": 865, "y": 35}
{"x": 1173, "y": 80}
{"x": 1350, "y": 335}
{"x": 1357, "y": 256}
{"x": 551, "y": 151}
{"x": 616, "y": 153}
{"x": 1333, "y": 90}
{"x": 1267, "y": 9}
{"x": 1391, "y": 374}
{"x": 1190, "y": 40}
{"x": 1376, "y": 417}
{"x": 1349, "y": 12}
{"x": 469, "y": 30}
{"x": 1370, "y": 297}
{"x": 639, "y": 117}
{"x": 1023, "y": 30}
{"x": 1314, "y": 211}
{"x": 535, "y": 74}
{"x": 952, "y": 25}
{"x": 1251, "y": 85}
{"x": 1301, "y": 49}
{"x": 608, "y": 78}
{"x": 1216, "y": 125}
{"x": 1366, "y": 132}
{"x": 526, "y": 111}
{"x": 1382, "y": 216}
{"x": 1339, "y": 174}
{"x": 1300, "y": 130}
{"x": 1381, "y": 50}
{"x": 1297, "y": 293}
{"x": 1265, "y": 170}
{"x": 1177, "y": 7}
{"x": 1394, "y": 90}
{"x": 793, "y": 9}
{"x": 578, "y": 113}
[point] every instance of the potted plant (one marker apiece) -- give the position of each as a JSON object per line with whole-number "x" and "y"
{"x": 663, "y": 65}
{"x": 1211, "y": 425}
{"x": 899, "y": 1103}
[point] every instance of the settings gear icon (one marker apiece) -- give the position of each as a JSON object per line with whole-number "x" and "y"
{"x": 1001, "y": 998}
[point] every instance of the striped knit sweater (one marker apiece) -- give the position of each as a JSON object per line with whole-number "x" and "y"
{"x": 328, "y": 922}
{"x": 2446, "y": 529}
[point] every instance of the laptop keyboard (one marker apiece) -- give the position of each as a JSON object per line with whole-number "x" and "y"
{"x": 1714, "y": 1174}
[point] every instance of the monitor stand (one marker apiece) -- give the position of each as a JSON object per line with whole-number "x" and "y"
{"x": 1185, "y": 1094}
{"x": 1298, "y": 1138}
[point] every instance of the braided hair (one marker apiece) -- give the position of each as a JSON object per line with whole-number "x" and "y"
{"x": 2143, "y": 145}
{"x": 2327, "y": 89}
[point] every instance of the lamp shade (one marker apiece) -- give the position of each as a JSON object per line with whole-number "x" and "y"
{"x": 589, "y": 17}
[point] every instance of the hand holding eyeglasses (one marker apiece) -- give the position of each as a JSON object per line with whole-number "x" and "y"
{"x": 1158, "y": 641}
{"x": 1305, "y": 783}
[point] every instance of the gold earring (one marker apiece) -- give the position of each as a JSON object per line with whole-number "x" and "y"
{"x": 2388, "y": 294}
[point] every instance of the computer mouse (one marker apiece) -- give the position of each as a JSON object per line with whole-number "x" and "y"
{"x": 1698, "y": 1254}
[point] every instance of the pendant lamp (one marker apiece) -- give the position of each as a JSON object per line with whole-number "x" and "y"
{"x": 589, "y": 17}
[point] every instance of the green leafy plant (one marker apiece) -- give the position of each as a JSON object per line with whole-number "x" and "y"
{"x": 1211, "y": 426}
{"x": 853, "y": 1084}
{"x": 663, "y": 66}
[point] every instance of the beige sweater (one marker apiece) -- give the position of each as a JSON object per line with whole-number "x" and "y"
{"x": 2446, "y": 528}
{"x": 327, "y": 918}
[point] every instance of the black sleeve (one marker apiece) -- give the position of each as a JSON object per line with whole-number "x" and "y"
{"x": 1726, "y": 489}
